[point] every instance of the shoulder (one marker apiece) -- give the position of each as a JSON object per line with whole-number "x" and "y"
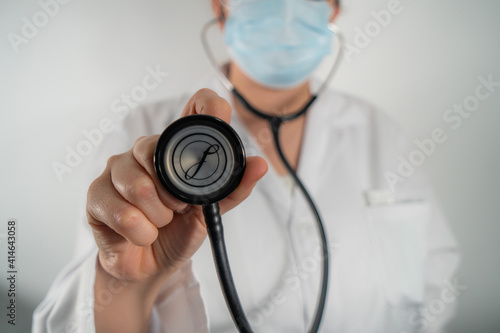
{"x": 345, "y": 111}
{"x": 145, "y": 120}
{"x": 152, "y": 118}
{"x": 373, "y": 133}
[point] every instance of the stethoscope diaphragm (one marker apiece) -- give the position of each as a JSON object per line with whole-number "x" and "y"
{"x": 199, "y": 159}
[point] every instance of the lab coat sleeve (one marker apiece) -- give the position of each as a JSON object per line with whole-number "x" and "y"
{"x": 179, "y": 306}
{"x": 69, "y": 305}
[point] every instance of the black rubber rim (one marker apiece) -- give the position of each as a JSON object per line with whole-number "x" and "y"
{"x": 213, "y": 123}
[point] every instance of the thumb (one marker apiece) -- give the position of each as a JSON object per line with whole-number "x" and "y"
{"x": 256, "y": 168}
{"x": 206, "y": 101}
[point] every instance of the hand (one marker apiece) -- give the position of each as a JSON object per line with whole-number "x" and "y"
{"x": 143, "y": 233}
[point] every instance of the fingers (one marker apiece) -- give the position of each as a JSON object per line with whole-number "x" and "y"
{"x": 128, "y": 197}
{"x": 182, "y": 237}
{"x": 143, "y": 152}
{"x": 106, "y": 207}
{"x": 137, "y": 187}
{"x": 256, "y": 168}
{"x": 206, "y": 101}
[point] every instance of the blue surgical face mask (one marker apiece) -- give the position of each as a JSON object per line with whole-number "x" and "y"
{"x": 278, "y": 43}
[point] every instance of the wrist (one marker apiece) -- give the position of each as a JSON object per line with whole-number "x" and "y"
{"x": 124, "y": 304}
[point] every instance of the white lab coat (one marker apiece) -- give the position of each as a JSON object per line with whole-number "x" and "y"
{"x": 387, "y": 261}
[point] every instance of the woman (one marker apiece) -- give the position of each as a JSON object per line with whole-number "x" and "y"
{"x": 390, "y": 256}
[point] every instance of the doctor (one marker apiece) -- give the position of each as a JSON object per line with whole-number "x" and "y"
{"x": 143, "y": 266}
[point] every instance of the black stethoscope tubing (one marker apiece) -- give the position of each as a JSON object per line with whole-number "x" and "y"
{"x": 212, "y": 214}
{"x": 171, "y": 142}
{"x": 170, "y": 175}
{"x": 275, "y": 123}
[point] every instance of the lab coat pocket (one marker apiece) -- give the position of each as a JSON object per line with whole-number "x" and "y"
{"x": 398, "y": 236}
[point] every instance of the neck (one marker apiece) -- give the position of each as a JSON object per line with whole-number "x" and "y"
{"x": 270, "y": 101}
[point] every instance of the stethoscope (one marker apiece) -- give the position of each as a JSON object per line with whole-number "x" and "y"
{"x": 200, "y": 160}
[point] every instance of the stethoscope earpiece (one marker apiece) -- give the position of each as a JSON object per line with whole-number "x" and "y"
{"x": 199, "y": 159}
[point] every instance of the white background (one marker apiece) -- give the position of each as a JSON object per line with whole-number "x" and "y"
{"x": 65, "y": 78}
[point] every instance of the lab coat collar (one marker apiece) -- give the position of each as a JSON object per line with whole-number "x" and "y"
{"x": 334, "y": 108}
{"x": 329, "y": 115}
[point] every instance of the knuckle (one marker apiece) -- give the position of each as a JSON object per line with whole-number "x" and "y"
{"x": 141, "y": 189}
{"x": 178, "y": 206}
{"x": 139, "y": 152}
{"x": 166, "y": 217}
{"x": 204, "y": 91}
{"x": 90, "y": 218}
{"x": 94, "y": 190}
{"x": 139, "y": 139}
{"x": 218, "y": 104}
{"x": 171, "y": 202}
{"x": 126, "y": 219}
{"x": 112, "y": 160}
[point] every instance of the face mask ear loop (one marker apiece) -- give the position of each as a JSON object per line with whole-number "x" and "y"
{"x": 336, "y": 62}
{"x": 230, "y": 87}
{"x": 223, "y": 78}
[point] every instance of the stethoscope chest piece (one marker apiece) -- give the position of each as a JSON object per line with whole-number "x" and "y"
{"x": 199, "y": 159}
